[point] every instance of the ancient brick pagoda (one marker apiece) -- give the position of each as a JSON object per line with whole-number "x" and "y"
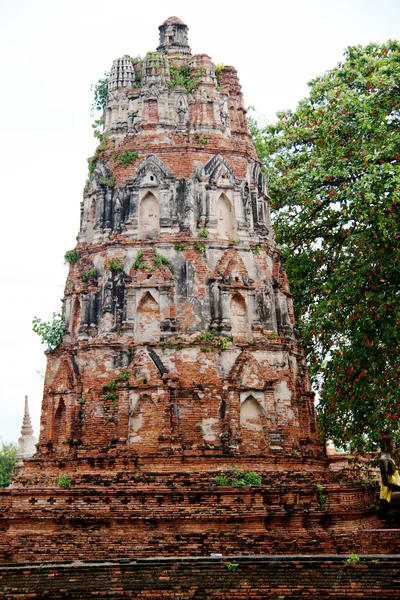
{"x": 180, "y": 362}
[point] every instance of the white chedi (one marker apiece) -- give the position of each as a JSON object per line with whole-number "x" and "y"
{"x": 27, "y": 441}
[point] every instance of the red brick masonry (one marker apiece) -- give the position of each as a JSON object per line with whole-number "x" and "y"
{"x": 239, "y": 577}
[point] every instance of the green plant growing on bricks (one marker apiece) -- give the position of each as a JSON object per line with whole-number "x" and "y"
{"x": 139, "y": 264}
{"x": 127, "y": 158}
{"x": 104, "y": 142}
{"x": 160, "y": 259}
{"x": 203, "y": 141}
{"x": 238, "y": 479}
{"x": 64, "y": 481}
{"x": 123, "y": 375}
{"x": 50, "y": 332}
{"x": 352, "y": 559}
{"x": 184, "y": 76}
{"x": 218, "y": 341}
{"x": 222, "y": 480}
{"x": 86, "y": 275}
{"x": 115, "y": 266}
{"x": 223, "y": 341}
{"x": 179, "y": 247}
{"x": 108, "y": 182}
{"x": 72, "y": 256}
{"x": 92, "y": 165}
{"x": 91, "y": 168}
{"x": 207, "y": 336}
{"x": 138, "y": 260}
{"x": 110, "y": 385}
{"x": 134, "y": 59}
{"x": 200, "y": 247}
{"x": 333, "y": 168}
{"x": 218, "y": 72}
{"x": 252, "y": 478}
{"x": 102, "y": 146}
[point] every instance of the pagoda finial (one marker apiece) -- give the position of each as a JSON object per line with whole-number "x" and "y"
{"x": 26, "y": 428}
{"x": 27, "y": 441}
{"x": 174, "y": 38}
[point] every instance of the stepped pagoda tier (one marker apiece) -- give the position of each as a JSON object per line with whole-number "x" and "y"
{"x": 177, "y": 415}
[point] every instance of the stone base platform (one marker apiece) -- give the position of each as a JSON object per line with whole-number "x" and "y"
{"x": 241, "y": 577}
{"x": 136, "y": 509}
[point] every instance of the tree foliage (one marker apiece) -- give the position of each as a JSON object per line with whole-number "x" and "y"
{"x": 100, "y": 91}
{"x": 8, "y": 457}
{"x": 51, "y": 332}
{"x": 334, "y": 178}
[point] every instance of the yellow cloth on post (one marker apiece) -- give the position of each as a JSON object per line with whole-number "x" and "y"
{"x": 386, "y": 492}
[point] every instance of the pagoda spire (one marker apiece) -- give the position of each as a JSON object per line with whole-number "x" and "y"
{"x": 27, "y": 441}
{"x": 26, "y": 428}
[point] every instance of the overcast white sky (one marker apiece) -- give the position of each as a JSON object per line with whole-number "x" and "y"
{"x": 50, "y": 53}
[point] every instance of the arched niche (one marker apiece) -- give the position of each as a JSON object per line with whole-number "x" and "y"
{"x": 239, "y": 318}
{"x": 149, "y": 217}
{"x": 91, "y": 219}
{"x": 225, "y": 220}
{"x": 60, "y": 423}
{"x": 181, "y": 108}
{"x": 251, "y": 414}
{"x": 148, "y": 319}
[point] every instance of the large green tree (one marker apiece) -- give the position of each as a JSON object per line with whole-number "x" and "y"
{"x": 333, "y": 168}
{"x": 8, "y": 457}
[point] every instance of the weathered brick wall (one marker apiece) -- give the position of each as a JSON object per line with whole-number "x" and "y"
{"x": 78, "y": 414}
{"x": 134, "y": 513}
{"x": 238, "y": 577}
{"x": 212, "y": 324}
